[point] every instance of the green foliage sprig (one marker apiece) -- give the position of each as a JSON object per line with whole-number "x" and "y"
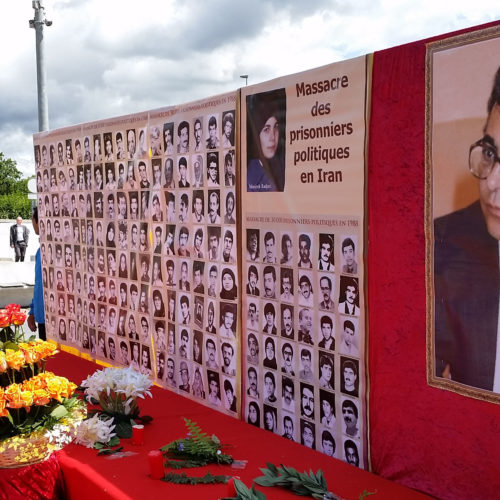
{"x": 182, "y": 478}
{"x": 195, "y": 450}
{"x": 245, "y": 493}
{"x": 303, "y": 484}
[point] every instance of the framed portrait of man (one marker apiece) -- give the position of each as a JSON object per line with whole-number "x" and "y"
{"x": 463, "y": 214}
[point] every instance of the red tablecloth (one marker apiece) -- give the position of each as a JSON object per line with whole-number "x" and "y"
{"x": 41, "y": 481}
{"x": 89, "y": 476}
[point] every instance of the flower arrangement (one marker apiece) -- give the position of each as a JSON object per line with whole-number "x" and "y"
{"x": 38, "y": 410}
{"x": 116, "y": 391}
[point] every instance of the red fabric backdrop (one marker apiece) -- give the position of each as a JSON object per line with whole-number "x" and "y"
{"x": 426, "y": 438}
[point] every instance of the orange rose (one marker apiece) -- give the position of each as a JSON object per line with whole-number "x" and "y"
{"x": 29, "y": 352}
{"x": 3, "y": 411}
{"x": 15, "y": 359}
{"x": 3, "y": 362}
{"x": 45, "y": 376}
{"x": 70, "y": 388}
{"x": 18, "y": 318}
{"x": 45, "y": 349}
{"x": 13, "y": 396}
{"x": 55, "y": 388}
{"x": 59, "y": 387}
{"x": 34, "y": 383}
{"x": 4, "y": 319}
{"x": 41, "y": 397}
{"x": 27, "y": 398}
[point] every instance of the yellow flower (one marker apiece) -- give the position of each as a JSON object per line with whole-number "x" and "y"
{"x": 30, "y": 384}
{"x": 70, "y": 388}
{"x": 43, "y": 349}
{"x": 45, "y": 376}
{"x": 27, "y": 398}
{"x": 13, "y": 396}
{"x": 55, "y": 388}
{"x": 15, "y": 359}
{"x": 3, "y": 400}
{"x": 3, "y": 362}
{"x": 41, "y": 397}
{"x": 30, "y": 355}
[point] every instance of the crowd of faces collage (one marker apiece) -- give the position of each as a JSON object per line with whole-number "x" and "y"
{"x": 138, "y": 245}
{"x": 304, "y": 337}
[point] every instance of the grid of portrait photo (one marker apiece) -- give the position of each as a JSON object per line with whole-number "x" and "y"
{"x": 304, "y": 336}
{"x": 139, "y": 245}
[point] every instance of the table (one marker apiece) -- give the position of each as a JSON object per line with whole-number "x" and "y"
{"x": 42, "y": 481}
{"x": 89, "y": 476}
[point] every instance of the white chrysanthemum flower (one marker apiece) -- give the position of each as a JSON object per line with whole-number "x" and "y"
{"x": 116, "y": 389}
{"x": 95, "y": 430}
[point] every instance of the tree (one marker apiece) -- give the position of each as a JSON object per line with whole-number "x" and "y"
{"x": 12, "y": 205}
{"x": 10, "y": 176}
{"x": 13, "y": 191}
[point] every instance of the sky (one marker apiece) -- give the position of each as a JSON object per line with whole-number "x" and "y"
{"x": 108, "y": 58}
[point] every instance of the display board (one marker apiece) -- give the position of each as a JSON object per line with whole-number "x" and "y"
{"x": 302, "y": 191}
{"x": 139, "y": 244}
{"x": 140, "y": 240}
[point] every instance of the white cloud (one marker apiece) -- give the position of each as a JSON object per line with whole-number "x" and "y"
{"x": 122, "y": 56}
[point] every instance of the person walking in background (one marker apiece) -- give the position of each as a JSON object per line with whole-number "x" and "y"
{"x": 36, "y": 314}
{"x": 19, "y": 235}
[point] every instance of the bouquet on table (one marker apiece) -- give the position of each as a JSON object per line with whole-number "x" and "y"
{"x": 38, "y": 410}
{"x": 116, "y": 391}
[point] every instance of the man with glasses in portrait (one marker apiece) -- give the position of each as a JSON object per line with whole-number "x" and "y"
{"x": 466, "y": 270}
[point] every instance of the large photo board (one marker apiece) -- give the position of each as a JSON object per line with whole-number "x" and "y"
{"x": 139, "y": 244}
{"x": 302, "y": 183}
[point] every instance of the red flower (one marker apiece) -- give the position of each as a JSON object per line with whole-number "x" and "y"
{"x": 4, "y": 319}
{"x": 10, "y": 308}
{"x": 18, "y": 318}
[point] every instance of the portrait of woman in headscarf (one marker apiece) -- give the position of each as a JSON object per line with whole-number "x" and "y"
{"x": 266, "y": 126}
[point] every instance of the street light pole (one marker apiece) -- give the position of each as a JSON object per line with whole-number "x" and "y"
{"x": 245, "y": 77}
{"x": 38, "y": 23}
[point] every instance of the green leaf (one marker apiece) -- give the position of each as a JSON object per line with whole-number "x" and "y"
{"x": 104, "y": 451}
{"x": 123, "y": 429}
{"x": 258, "y": 494}
{"x": 264, "y": 481}
{"x": 59, "y": 412}
{"x": 11, "y": 345}
{"x": 365, "y": 494}
{"x": 272, "y": 468}
{"x": 321, "y": 479}
{"x": 99, "y": 446}
{"x": 240, "y": 487}
{"x": 114, "y": 441}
